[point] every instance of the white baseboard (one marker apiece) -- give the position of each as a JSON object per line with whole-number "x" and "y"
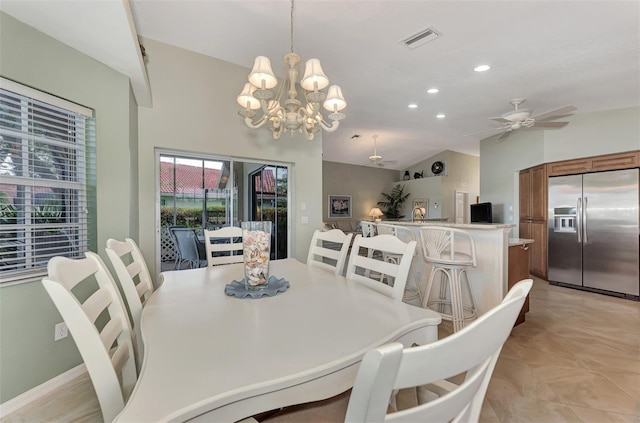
{"x": 41, "y": 390}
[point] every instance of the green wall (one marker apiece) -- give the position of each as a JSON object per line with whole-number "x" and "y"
{"x": 28, "y": 354}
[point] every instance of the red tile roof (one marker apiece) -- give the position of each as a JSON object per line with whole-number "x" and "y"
{"x": 268, "y": 182}
{"x": 188, "y": 178}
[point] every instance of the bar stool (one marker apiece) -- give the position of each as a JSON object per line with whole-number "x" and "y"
{"x": 412, "y": 291}
{"x": 450, "y": 251}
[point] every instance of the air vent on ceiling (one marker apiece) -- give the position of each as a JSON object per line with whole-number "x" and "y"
{"x": 420, "y": 38}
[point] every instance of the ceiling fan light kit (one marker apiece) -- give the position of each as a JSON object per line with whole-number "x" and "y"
{"x": 375, "y": 157}
{"x": 285, "y": 113}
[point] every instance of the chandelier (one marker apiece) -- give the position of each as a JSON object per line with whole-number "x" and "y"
{"x": 285, "y": 112}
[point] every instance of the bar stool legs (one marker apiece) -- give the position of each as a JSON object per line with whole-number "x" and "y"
{"x": 450, "y": 251}
{"x": 451, "y": 297}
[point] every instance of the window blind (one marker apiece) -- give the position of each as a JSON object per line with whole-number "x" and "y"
{"x": 47, "y": 170}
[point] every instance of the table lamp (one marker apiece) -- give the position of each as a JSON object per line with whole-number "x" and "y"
{"x": 375, "y": 213}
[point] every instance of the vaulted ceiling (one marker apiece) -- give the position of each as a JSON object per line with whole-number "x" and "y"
{"x": 552, "y": 53}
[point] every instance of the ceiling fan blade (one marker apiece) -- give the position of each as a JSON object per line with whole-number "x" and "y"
{"x": 556, "y": 113}
{"x": 550, "y": 124}
{"x": 500, "y": 119}
{"x": 484, "y": 130}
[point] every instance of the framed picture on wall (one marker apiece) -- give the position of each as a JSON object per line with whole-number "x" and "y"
{"x": 339, "y": 206}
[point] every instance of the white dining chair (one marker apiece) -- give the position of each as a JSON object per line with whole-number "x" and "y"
{"x": 370, "y": 271}
{"x": 322, "y": 255}
{"x": 472, "y": 351}
{"x": 135, "y": 282}
{"x": 223, "y": 246}
{"x": 386, "y": 370}
{"x": 107, "y": 352}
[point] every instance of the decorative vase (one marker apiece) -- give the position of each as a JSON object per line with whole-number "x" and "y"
{"x": 406, "y": 176}
{"x": 256, "y": 246}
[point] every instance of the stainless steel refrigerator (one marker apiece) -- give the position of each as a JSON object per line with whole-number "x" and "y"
{"x": 594, "y": 232}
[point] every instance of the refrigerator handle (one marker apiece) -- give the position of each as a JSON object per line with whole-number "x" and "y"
{"x": 584, "y": 217}
{"x": 579, "y": 219}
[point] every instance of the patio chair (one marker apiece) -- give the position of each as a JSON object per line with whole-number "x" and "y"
{"x": 187, "y": 245}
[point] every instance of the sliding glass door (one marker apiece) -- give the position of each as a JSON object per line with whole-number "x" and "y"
{"x": 210, "y": 192}
{"x": 269, "y": 197}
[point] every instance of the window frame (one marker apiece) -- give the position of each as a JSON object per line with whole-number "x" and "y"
{"x": 52, "y": 204}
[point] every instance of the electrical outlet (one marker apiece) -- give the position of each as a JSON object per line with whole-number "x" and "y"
{"x": 61, "y": 331}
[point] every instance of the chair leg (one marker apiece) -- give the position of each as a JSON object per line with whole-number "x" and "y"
{"x": 460, "y": 317}
{"x": 415, "y": 290}
{"x": 473, "y": 308}
{"x": 427, "y": 292}
{"x": 457, "y": 310}
{"x": 177, "y": 261}
{"x": 441, "y": 301}
{"x": 445, "y": 281}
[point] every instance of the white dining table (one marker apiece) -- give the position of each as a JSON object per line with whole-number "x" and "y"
{"x": 217, "y": 358}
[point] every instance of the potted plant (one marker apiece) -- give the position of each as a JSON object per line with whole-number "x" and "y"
{"x": 393, "y": 202}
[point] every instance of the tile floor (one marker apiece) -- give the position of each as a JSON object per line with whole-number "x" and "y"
{"x": 575, "y": 359}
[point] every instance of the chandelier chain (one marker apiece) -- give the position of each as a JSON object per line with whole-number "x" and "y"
{"x": 291, "y": 26}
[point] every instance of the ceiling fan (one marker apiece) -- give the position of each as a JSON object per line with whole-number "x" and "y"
{"x": 521, "y": 118}
{"x": 375, "y": 158}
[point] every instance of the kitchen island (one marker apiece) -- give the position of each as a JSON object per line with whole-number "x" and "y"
{"x": 488, "y": 280}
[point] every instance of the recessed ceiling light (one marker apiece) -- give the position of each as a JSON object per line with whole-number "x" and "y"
{"x": 482, "y": 68}
{"x": 441, "y": 116}
{"x": 433, "y": 90}
{"x": 413, "y": 106}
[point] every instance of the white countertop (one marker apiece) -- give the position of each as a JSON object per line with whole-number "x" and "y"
{"x": 454, "y": 225}
{"x": 520, "y": 241}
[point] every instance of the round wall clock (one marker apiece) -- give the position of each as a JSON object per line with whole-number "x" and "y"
{"x": 437, "y": 167}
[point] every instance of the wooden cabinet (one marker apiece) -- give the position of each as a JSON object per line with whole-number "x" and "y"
{"x": 525, "y": 195}
{"x": 519, "y": 270}
{"x": 533, "y": 216}
{"x": 626, "y": 160}
{"x": 537, "y": 231}
{"x": 569, "y": 167}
